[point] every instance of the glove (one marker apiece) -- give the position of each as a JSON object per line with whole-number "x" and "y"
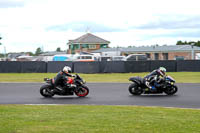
{"x": 147, "y": 84}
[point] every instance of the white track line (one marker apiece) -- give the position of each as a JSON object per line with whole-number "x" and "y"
{"x": 114, "y": 105}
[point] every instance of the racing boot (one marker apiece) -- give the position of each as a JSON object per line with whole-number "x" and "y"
{"x": 153, "y": 89}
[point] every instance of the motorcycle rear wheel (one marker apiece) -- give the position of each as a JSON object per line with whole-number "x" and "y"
{"x": 172, "y": 90}
{"x": 133, "y": 89}
{"x": 44, "y": 91}
{"x": 82, "y": 91}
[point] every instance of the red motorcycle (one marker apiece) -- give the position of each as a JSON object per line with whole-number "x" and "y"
{"x": 71, "y": 85}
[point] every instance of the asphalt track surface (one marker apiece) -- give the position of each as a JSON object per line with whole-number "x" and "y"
{"x": 188, "y": 95}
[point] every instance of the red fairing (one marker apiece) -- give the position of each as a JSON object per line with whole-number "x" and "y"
{"x": 70, "y": 81}
{"x": 52, "y": 80}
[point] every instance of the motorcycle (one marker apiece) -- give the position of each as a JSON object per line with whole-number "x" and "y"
{"x": 167, "y": 85}
{"x": 70, "y": 86}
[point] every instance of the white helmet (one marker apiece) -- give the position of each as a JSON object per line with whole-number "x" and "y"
{"x": 162, "y": 71}
{"x": 67, "y": 69}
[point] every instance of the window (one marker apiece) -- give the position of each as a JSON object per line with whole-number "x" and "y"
{"x": 165, "y": 56}
{"x": 148, "y": 55}
{"x": 86, "y": 57}
{"x": 131, "y": 58}
{"x": 92, "y": 47}
{"x": 136, "y": 57}
{"x": 104, "y": 46}
{"x": 75, "y": 46}
{"x": 156, "y": 56}
{"x": 71, "y": 47}
{"x": 84, "y": 46}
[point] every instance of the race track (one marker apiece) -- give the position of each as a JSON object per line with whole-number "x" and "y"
{"x": 188, "y": 95}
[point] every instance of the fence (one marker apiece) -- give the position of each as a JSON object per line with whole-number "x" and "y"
{"x": 98, "y": 67}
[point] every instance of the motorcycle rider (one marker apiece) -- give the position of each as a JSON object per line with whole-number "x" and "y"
{"x": 61, "y": 77}
{"x": 154, "y": 77}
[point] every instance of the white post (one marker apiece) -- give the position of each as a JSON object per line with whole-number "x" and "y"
{"x": 5, "y": 53}
{"x": 192, "y": 52}
{"x": 117, "y": 51}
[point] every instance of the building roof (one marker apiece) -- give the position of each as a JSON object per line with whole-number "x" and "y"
{"x": 15, "y": 55}
{"x": 89, "y": 39}
{"x": 169, "y": 48}
{"x": 52, "y": 53}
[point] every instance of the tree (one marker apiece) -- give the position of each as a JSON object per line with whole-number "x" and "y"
{"x": 1, "y": 55}
{"x": 198, "y": 43}
{"x": 189, "y": 43}
{"x": 179, "y": 43}
{"x": 30, "y": 53}
{"x": 38, "y": 51}
{"x": 58, "y": 49}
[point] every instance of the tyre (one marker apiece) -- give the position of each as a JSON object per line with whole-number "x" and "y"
{"x": 134, "y": 89}
{"x": 172, "y": 90}
{"x": 44, "y": 91}
{"x": 82, "y": 91}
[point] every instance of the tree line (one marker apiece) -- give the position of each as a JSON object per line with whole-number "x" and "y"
{"x": 37, "y": 52}
{"x": 188, "y": 43}
{"x": 40, "y": 51}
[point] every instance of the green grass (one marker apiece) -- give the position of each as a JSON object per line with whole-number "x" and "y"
{"x": 97, "y": 119}
{"x": 180, "y": 77}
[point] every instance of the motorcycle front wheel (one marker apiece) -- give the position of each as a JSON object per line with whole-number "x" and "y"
{"x": 45, "y": 91}
{"x": 82, "y": 91}
{"x": 134, "y": 89}
{"x": 172, "y": 90}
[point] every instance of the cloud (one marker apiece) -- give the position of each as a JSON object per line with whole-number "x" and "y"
{"x": 83, "y": 26}
{"x": 26, "y": 24}
{"x": 175, "y": 22}
{"x": 180, "y": 34}
{"x": 11, "y": 3}
{"x": 185, "y": 34}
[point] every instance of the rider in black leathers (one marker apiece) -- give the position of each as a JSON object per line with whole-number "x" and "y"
{"x": 154, "y": 77}
{"x": 61, "y": 77}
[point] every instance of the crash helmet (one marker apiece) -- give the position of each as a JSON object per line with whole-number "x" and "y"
{"x": 162, "y": 71}
{"x": 67, "y": 69}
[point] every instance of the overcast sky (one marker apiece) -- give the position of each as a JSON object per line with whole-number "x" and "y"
{"x": 28, "y": 24}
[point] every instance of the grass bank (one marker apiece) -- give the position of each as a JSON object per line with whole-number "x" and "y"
{"x": 97, "y": 119}
{"x": 180, "y": 77}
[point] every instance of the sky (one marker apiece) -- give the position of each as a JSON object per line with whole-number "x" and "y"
{"x": 26, "y": 25}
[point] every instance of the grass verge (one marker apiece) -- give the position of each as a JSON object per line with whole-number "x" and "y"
{"x": 180, "y": 77}
{"x": 97, "y": 119}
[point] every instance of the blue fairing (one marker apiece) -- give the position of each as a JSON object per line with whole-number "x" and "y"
{"x": 168, "y": 78}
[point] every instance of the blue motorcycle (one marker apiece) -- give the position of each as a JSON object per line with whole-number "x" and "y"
{"x": 166, "y": 85}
